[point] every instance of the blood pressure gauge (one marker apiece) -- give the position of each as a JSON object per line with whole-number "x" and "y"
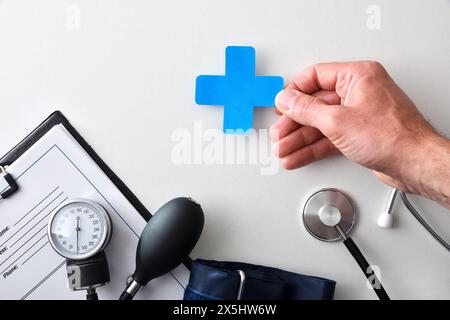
{"x": 79, "y": 229}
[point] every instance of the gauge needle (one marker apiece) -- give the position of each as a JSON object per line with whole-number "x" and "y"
{"x": 78, "y": 230}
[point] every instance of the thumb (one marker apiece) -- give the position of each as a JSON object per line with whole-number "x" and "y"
{"x": 305, "y": 109}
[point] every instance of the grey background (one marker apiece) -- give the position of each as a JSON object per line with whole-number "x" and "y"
{"x": 125, "y": 77}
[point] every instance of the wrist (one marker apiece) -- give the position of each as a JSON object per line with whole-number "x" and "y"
{"x": 427, "y": 170}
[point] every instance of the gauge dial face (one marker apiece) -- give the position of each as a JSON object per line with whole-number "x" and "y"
{"x": 79, "y": 229}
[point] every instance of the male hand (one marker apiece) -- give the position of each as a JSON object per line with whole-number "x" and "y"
{"x": 356, "y": 109}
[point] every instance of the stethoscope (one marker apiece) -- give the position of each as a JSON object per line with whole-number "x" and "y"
{"x": 386, "y": 220}
{"x": 329, "y": 215}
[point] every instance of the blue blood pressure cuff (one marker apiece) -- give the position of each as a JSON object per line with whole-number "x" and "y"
{"x": 218, "y": 280}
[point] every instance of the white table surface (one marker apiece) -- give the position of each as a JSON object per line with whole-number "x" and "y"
{"x": 123, "y": 72}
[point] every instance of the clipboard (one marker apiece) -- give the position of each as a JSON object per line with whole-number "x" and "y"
{"x": 57, "y": 118}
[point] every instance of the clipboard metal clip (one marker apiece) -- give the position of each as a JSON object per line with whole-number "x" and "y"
{"x": 12, "y": 185}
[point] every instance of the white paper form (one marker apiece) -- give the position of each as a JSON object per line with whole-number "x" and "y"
{"x": 57, "y": 168}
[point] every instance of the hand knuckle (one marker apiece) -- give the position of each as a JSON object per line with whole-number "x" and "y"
{"x": 333, "y": 121}
{"x": 373, "y": 64}
{"x": 374, "y": 68}
{"x": 303, "y": 105}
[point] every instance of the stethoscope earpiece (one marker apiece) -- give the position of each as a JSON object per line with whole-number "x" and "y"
{"x": 385, "y": 220}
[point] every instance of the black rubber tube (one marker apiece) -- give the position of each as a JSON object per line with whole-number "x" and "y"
{"x": 91, "y": 295}
{"x": 368, "y": 272}
{"x": 126, "y": 296}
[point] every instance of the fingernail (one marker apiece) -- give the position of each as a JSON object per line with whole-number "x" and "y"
{"x": 284, "y": 99}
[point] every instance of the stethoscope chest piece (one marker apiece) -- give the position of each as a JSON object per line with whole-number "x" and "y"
{"x": 324, "y": 210}
{"x": 329, "y": 215}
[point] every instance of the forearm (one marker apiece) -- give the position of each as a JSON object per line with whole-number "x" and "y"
{"x": 434, "y": 170}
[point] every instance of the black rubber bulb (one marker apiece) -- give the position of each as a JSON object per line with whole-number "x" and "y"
{"x": 167, "y": 239}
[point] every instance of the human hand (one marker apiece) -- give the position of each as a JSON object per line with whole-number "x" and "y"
{"x": 356, "y": 109}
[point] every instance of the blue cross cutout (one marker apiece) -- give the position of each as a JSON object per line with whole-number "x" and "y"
{"x": 239, "y": 90}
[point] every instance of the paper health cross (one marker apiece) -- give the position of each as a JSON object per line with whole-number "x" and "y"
{"x": 239, "y": 90}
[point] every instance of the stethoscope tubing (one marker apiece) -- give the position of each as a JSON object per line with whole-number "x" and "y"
{"x": 363, "y": 264}
{"x": 422, "y": 221}
{"x": 366, "y": 269}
